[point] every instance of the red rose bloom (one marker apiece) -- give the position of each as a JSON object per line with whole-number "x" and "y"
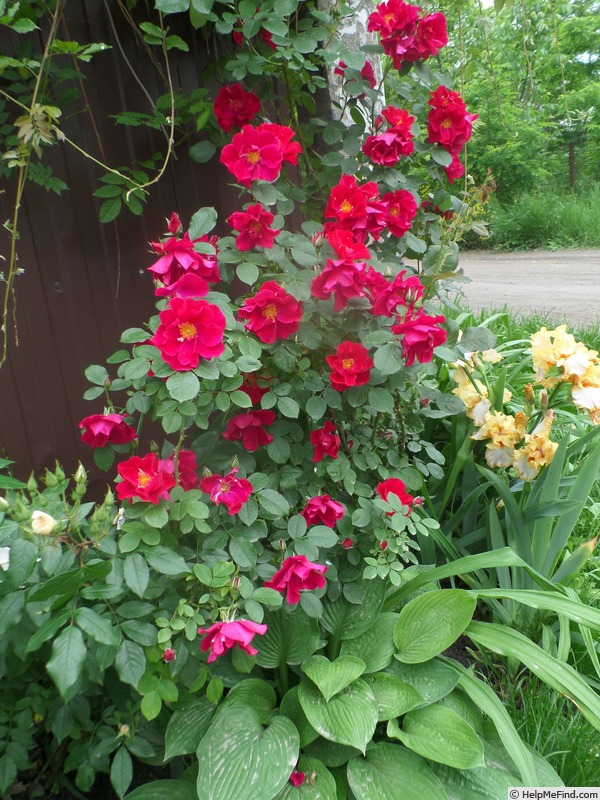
{"x": 174, "y": 224}
{"x": 189, "y": 330}
{"x": 234, "y": 107}
{"x": 397, "y": 487}
{"x": 228, "y": 490}
{"x": 455, "y": 171}
{"x": 342, "y": 279}
{"x": 448, "y": 123}
{"x": 401, "y": 210}
{"x": 350, "y": 366}
{"x": 323, "y": 510}
{"x": 284, "y": 135}
{"x": 188, "y": 285}
{"x": 296, "y": 574}
{"x": 187, "y": 467}
{"x": 178, "y": 257}
{"x": 272, "y": 313}
{"x": 325, "y": 442}
{"x": 346, "y": 248}
{"x": 103, "y": 429}
{"x": 253, "y": 155}
{"x": 386, "y": 295}
{"x": 347, "y": 202}
{"x": 248, "y": 428}
{"x": 421, "y": 335}
{"x": 431, "y": 36}
{"x": 297, "y": 778}
{"x": 251, "y": 387}
{"x": 386, "y": 148}
{"x": 143, "y": 478}
{"x": 253, "y": 225}
{"x": 222, "y": 636}
{"x": 394, "y": 18}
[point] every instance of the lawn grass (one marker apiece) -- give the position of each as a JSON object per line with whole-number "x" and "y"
{"x": 547, "y": 219}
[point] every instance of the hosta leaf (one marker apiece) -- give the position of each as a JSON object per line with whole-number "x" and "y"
{"x": 240, "y": 759}
{"x": 376, "y": 645}
{"x": 348, "y": 620}
{"x": 431, "y": 623}
{"x": 394, "y": 696}
{"x": 390, "y": 772}
{"x": 332, "y": 677}
{"x": 348, "y": 718}
{"x": 291, "y": 638}
{"x": 187, "y": 727}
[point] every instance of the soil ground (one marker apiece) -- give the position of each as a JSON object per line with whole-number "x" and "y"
{"x": 564, "y": 284}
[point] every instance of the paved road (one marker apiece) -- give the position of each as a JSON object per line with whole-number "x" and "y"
{"x": 565, "y": 284}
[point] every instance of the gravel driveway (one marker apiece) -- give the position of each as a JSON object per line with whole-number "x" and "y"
{"x": 565, "y": 284}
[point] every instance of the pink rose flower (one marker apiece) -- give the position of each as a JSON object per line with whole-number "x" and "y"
{"x": 103, "y": 429}
{"x": 296, "y": 574}
{"x": 322, "y": 509}
{"x": 350, "y": 366}
{"x": 228, "y": 490}
{"x": 297, "y": 778}
{"x": 189, "y": 330}
{"x": 272, "y": 313}
{"x": 234, "y": 106}
{"x": 144, "y": 479}
{"x": 178, "y": 257}
{"x": 248, "y": 428}
{"x": 222, "y": 636}
{"x": 325, "y": 442}
{"x": 397, "y": 487}
{"x": 342, "y": 279}
{"x": 253, "y": 226}
{"x": 422, "y": 335}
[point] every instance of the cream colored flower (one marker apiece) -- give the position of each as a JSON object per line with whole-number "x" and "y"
{"x": 559, "y": 349}
{"x": 491, "y": 356}
{"x": 505, "y": 432}
{"x": 537, "y": 452}
{"x": 42, "y": 523}
{"x": 4, "y": 558}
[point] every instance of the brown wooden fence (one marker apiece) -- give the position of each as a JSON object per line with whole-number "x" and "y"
{"x": 84, "y": 282}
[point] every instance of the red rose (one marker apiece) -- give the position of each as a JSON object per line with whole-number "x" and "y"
{"x": 421, "y": 335}
{"x": 347, "y": 202}
{"x": 397, "y": 487}
{"x": 431, "y": 36}
{"x": 386, "y": 295}
{"x": 366, "y": 73}
{"x": 296, "y": 574}
{"x": 234, "y": 106}
{"x": 455, "y": 171}
{"x": 222, "y": 636}
{"x": 248, "y": 428}
{"x": 345, "y": 246}
{"x": 347, "y": 543}
{"x": 178, "y": 257}
{"x": 394, "y": 18}
{"x": 253, "y": 225}
{"x": 251, "y": 387}
{"x": 284, "y": 135}
{"x": 401, "y": 210}
{"x": 253, "y": 155}
{"x": 103, "y": 429}
{"x": 322, "y": 509}
{"x": 297, "y": 778}
{"x": 272, "y": 313}
{"x": 325, "y": 442}
{"x": 189, "y": 330}
{"x": 187, "y": 467}
{"x": 386, "y": 148}
{"x": 188, "y": 285}
{"x": 143, "y": 478}
{"x": 174, "y": 224}
{"x": 169, "y": 655}
{"x": 342, "y": 279}
{"x": 350, "y": 366}
{"x": 448, "y": 123}
{"x": 228, "y": 490}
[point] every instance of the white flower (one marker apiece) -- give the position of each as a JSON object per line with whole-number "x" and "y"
{"x": 42, "y": 523}
{"x": 4, "y": 558}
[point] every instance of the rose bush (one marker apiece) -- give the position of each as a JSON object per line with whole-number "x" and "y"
{"x": 252, "y": 605}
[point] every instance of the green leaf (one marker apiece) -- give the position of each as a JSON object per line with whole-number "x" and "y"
{"x": 288, "y": 407}
{"x": 252, "y": 693}
{"x": 64, "y": 585}
{"x": 316, "y": 407}
{"x": 439, "y": 734}
{"x": 8, "y": 772}
{"x": 166, "y": 561}
{"x": 247, "y": 272}
{"x": 110, "y": 209}
{"x": 240, "y": 759}
{"x": 202, "y": 222}
{"x": 159, "y": 790}
{"x": 349, "y": 718}
{"x": 431, "y": 623}
{"x": 136, "y": 573}
{"x": 474, "y": 339}
{"x": 156, "y": 517}
{"x": 388, "y": 359}
{"x": 183, "y": 386}
{"x": 273, "y": 502}
{"x": 559, "y": 676}
{"x": 68, "y": 657}
{"x": 394, "y": 696}
{"x": 171, "y": 6}
{"x": 130, "y": 662}
{"x": 291, "y": 637}
{"x": 389, "y": 772}
{"x": 376, "y": 645}
{"x": 202, "y": 152}
{"x": 433, "y": 679}
{"x": 348, "y": 620}
{"x": 151, "y": 705}
{"x": 99, "y": 628}
{"x": 187, "y": 727}
{"x": 47, "y": 630}
{"x": 381, "y": 400}
{"x": 332, "y": 677}
{"x": 121, "y": 771}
